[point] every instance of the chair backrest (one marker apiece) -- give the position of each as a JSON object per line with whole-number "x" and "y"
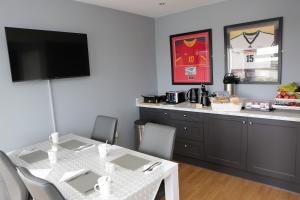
{"x": 105, "y": 128}
{"x": 158, "y": 140}
{"x": 14, "y": 185}
{"x": 39, "y": 189}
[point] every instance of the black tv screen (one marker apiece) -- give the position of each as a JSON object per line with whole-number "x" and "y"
{"x": 38, "y": 54}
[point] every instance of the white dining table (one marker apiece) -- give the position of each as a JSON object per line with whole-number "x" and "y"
{"x": 126, "y": 184}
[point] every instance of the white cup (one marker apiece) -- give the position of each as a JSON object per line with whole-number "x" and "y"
{"x": 54, "y": 147}
{"x": 52, "y": 156}
{"x": 54, "y": 138}
{"x": 103, "y": 185}
{"x": 110, "y": 167}
{"x": 103, "y": 150}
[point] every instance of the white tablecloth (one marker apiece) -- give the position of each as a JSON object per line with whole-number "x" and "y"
{"x": 126, "y": 184}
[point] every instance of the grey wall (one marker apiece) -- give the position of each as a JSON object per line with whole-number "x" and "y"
{"x": 122, "y": 61}
{"x": 122, "y": 57}
{"x": 216, "y": 17}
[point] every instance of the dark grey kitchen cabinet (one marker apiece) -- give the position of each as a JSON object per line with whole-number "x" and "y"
{"x": 225, "y": 139}
{"x": 189, "y": 129}
{"x": 189, "y": 134}
{"x": 264, "y": 150}
{"x": 273, "y": 148}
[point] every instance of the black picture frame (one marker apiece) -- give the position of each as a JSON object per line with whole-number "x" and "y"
{"x": 278, "y": 22}
{"x": 209, "y": 32}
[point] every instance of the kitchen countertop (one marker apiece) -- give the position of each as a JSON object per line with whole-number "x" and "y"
{"x": 186, "y": 106}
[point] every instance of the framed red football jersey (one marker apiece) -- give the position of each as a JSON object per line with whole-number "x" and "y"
{"x": 191, "y": 58}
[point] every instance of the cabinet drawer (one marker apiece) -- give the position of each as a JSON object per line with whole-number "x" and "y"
{"x": 159, "y": 116}
{"x": 186, "y": 116}
{"x": 189, "y": 130}
{"x": 189, "y": 149}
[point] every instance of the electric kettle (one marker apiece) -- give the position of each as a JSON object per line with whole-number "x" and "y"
{"x": 193, "y": 95}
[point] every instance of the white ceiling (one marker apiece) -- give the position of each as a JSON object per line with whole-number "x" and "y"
{"x": 151, "y": 8}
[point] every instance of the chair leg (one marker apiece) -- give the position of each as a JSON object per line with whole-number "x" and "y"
{"x": 116, "y": 138}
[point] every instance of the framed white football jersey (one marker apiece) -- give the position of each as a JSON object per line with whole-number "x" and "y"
{"x": 254, "y": 50}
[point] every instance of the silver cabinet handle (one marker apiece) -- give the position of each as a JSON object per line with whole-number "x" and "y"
{"x": 165, "y": 113}
{"x": 185, "y": 146}
{"x": 185, "y": 128}
{"x": 244, "y": 122}
{"x": 185, "y": 115}
{"x": 250, "y": 123}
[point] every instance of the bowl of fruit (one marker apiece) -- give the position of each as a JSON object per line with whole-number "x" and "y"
{"x": 288, "y": 97}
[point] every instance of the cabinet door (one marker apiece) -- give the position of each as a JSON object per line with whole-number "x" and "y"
{"x": 225, "y": 139}
{"x": 272, "y": 148}
{"x": 159, "y": 116}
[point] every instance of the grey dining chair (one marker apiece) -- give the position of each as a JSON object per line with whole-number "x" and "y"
{"x": 158, "y": 140}
{"x": 39, "y": 189}
{"x": 105, "y": 129}
{"x": 14, "y": 186}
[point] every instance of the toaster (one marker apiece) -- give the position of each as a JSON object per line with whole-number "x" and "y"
{"x": 175, "y": 97}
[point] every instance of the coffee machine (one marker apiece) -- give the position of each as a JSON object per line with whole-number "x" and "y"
{"x": 204, "y": 97}
{"x": 230, "y": 81}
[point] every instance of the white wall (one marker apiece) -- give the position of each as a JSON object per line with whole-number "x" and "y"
{"x": 122, "y": 62}
{"x": 217, "y": 16}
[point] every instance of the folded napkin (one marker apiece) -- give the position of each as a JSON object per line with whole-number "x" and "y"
{"x": 69, "y": 175}
{"x": 41, "y": 173}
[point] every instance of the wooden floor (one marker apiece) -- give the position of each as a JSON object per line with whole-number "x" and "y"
{"x": 198, "y": 184}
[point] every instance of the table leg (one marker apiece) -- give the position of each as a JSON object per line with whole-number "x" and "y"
{"x": 172, "y": 185}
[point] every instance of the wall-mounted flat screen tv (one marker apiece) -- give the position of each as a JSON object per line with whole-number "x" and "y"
{"x": 39, "y": 54}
